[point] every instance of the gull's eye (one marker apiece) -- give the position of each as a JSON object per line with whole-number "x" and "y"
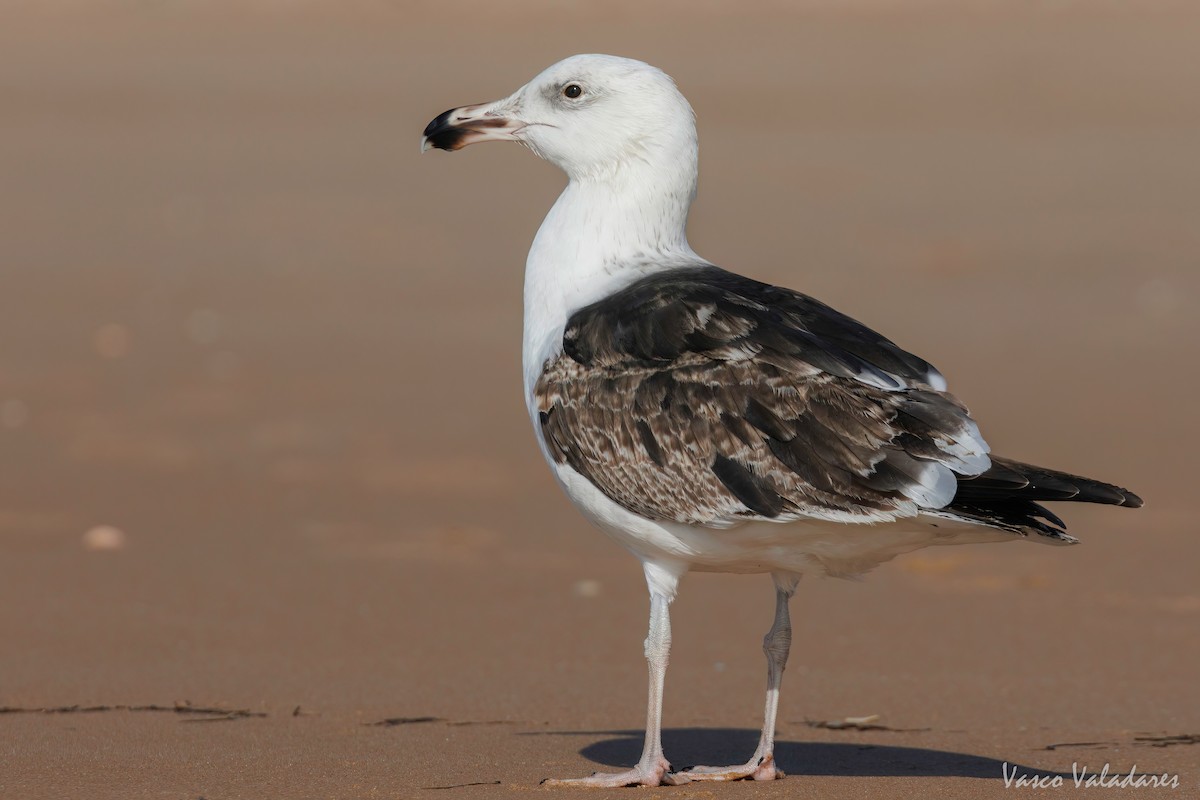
{"x": 572, "y": 90}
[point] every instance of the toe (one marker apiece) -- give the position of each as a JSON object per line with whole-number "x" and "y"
{"x": 638, "y": 776}
{"x": 758, "y": 770}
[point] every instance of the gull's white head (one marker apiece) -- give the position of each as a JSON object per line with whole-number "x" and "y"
{"x": 596, "y": 117}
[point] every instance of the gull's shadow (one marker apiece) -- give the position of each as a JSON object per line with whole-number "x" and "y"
{"x": 720, "y": 746}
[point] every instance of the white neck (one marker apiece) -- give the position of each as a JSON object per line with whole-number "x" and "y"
{"x": 601, "y": 236}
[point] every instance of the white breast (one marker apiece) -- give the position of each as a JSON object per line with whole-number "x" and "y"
{"x": 597, "y": 239}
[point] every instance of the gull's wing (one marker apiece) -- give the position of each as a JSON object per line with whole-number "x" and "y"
{"x": 702, "y": 397}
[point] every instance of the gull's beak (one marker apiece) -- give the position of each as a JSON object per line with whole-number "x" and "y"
{"x": 459, "y": 127}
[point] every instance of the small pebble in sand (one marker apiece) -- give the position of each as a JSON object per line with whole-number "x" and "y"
{"x": 112, "y": 340}
{"x": 587, "y": 588}
{"x": 104, "y": 537}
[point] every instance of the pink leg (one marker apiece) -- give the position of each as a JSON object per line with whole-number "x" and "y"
{"x": 776, "y": 644}
{"x": 652, "y": 768}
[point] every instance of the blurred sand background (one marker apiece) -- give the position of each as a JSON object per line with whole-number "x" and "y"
{"x": 235, "y": 308}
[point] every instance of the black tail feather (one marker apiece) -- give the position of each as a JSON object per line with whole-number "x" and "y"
{"x": 1012, "y": 480}
{"x": 1005, "y": 497}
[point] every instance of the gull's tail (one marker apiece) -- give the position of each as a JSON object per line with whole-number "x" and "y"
{"x": 1006, "y": 497}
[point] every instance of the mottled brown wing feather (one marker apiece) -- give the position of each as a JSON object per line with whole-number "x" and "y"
{"x": 701, "y": 397}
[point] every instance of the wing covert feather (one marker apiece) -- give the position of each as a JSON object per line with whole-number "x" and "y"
{"x": 701, "y": 397}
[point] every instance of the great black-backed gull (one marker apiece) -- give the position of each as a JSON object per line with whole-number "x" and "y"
{"x": 707, "y": 421}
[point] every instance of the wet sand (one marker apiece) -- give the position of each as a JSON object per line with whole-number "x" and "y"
{"x": 246, "y": 326}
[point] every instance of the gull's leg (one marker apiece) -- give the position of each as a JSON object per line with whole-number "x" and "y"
{"x": 652, "y": 768}
{"x": 776, "y": 644}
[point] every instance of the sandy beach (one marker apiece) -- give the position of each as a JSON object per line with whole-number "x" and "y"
{"x": 272, "y": 520}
